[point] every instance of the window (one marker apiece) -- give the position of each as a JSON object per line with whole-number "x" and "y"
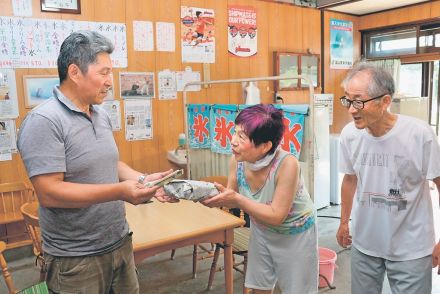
{"x": 392, "y": 44}
{"x": 399, "y": 41}
{"x": 419, "y": 87}
{"x": 429, "y": 38}
{"x": 410, "y": 81}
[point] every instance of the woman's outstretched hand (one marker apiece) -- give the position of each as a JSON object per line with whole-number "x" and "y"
{"x": 226, "y": 198}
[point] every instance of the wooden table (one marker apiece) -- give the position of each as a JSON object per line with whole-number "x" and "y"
{"x": 159, "y": 227}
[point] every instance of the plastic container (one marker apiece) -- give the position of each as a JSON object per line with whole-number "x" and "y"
{"x": 182, "y": 139}
{"x": 327, "y": 264}
{"x": 252, "y": 94}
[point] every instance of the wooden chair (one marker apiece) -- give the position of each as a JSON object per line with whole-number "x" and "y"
{"x": 210, "y": 252}
{"x": 239, "y": 247}
{"x": 30, "y": 215}
{"x": 12, "y": 197}
{"x": 5, "y": 272}
{"x": 40, "y": 288}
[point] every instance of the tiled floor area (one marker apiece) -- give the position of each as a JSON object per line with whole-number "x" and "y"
{"x": 159, "y": 274}
{"x": 328, "y": 228}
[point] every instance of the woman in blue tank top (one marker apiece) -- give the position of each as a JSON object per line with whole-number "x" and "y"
{"x": 266, "y": 183}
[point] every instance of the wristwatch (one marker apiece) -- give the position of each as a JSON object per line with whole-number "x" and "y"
{"x": 141, "y": 179}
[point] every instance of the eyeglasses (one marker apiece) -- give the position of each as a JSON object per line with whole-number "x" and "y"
{"x": 357, "y": 104}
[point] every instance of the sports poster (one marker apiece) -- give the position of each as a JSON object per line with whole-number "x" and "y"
{"x": 197, "y": 34}
{"x": 242, "y": 31}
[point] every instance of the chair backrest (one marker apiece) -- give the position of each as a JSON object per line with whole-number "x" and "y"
{"x": 13, "y": 196}
{"x": 30, "y": 216}
{"x": 4, "y": 268}
{"x": 40, "y": 288}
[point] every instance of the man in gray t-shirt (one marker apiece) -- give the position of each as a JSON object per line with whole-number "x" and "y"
{"x": 72, "y": 159}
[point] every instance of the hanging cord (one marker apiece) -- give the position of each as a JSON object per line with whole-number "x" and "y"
{"x": 331, "y": 216}
{"x": 279, "y": 100}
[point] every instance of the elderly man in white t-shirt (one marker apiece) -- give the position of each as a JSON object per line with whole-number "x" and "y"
{"x": 387, "y": 160}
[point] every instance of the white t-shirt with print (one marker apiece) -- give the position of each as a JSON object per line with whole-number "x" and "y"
{"x": 392, "y": 210}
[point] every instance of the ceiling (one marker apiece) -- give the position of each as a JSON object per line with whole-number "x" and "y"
{"x": 362, "y": 7}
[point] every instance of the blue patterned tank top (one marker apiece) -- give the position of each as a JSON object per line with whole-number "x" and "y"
{"x": 301, "y": 215}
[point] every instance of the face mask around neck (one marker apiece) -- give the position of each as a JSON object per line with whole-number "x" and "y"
{"x": 261, "y": 163}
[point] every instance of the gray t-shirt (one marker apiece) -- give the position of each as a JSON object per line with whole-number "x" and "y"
{"x": 57, "y": 137}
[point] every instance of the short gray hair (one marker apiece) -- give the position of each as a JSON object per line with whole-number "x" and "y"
{"x": 81, "y": 48}
{"x": 381, "y": 81}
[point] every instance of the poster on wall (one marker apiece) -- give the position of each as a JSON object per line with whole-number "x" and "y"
{"x": 8, "y": 94}
{"x": 5, "y": 150}
{"x": 35, "y": 43}
{"x": 167, "y": 85}
{"x": 165, "y": 36}
{"x": 110, "y": 92}
{"x": 38, "y": 88}
{"x": 8, "y": 127}
{"x": 138, "y": 120}
{"x": 8, "y": 139}
{"x": 22, "y": 7}
{"x": 136, "y": 85}
{"x": 197, "y": 34}
{"x": 341, "y": 44}
{"x": 113, "y": 109}
{"x": 242, "y": 31}
{"x": 143, "y": 39}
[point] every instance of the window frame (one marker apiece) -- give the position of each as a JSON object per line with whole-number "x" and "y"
{"x": 366, "y": 35}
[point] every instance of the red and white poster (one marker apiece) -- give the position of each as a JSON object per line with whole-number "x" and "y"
{"x": 242, "y": 31}
{"x": 197, "y": 34}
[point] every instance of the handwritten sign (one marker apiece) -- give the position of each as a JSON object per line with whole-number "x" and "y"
{"x": 35, "y": 43}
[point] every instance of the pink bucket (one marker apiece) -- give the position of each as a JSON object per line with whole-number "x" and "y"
{"x": 327, "y": 264}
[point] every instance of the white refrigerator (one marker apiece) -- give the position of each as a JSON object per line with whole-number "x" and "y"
{"x": 322, "y": 157}
{"x": 321, "y": 187}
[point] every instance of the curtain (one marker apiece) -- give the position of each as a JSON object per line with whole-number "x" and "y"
{"x": 205, "y": 163}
